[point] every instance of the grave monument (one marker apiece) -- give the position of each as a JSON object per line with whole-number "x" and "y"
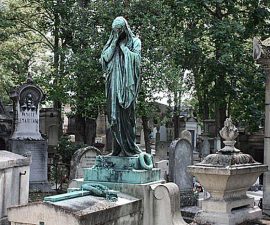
{"x": 134, "y": 192}
{"x": 26, "y": 136}
{"x": 227, "y": 175}
{"x": 180, "y": 157}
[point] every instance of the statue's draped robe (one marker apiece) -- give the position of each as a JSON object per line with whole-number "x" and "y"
{"x": 123, "y": 75}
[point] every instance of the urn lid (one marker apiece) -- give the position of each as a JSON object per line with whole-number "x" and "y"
{"x": 229, "y": 155}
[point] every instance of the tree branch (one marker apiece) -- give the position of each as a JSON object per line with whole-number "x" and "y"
{"x": 40, "y": 33}
{"x": 208, "y": 9}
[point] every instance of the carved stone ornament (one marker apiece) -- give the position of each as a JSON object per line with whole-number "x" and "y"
{"x": 229, "y": 155}
{"x": 229, "y": 132}
{"x": 261, "y": 49}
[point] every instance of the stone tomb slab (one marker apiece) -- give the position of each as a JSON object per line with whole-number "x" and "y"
{"x": 80, "y": 211}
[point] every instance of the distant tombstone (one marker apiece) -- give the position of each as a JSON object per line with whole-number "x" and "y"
{"x": 180, "y": 157}
{"x": 82, "y": 158}
{"x": 163, "y": 165}
{"x": 185, "y": 134}
{"x": 217, "y": 143}
{"x": 26, "y": 136}
{"x": 162, "y": 150}
{"x": 155, "y": 130}
{"x": 163, "y": 133}
{"x": 205, "y": 147}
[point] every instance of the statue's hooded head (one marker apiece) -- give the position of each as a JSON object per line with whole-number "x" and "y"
{"x": 121, "y": 26}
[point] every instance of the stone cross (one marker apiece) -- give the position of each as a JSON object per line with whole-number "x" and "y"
{"x": 261, "y": 53}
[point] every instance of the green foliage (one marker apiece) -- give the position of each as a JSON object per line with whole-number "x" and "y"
{"x": 59, "y": 44}
{"x": 217, "y": 52}
{"x": 66, "y": 148}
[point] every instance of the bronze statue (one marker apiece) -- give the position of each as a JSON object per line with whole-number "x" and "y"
{"x": 121, "y": 59}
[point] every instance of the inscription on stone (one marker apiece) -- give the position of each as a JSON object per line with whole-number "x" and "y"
{"x": 27, "y": 98}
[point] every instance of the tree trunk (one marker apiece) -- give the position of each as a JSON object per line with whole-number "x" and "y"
{"x": 146, "y": 131}
{"x": 56, "y": 58}
{"x": 80, "y": 129}
{"x": 176, "y": 123}
{"x": 90, "y": 131}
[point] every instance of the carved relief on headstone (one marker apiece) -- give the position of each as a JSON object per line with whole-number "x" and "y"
{"x": 82, "y": 158}
{"x": 26, "y": 99}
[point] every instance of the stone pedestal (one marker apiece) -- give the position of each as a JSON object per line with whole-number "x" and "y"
{"x": 161, "y": 203}
{"x": 120, "y": 170}
{"x": 227, "y": 176}
{"x": 38, "y": 168}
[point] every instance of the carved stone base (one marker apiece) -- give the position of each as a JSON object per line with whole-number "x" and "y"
{"x": 120, "y": 170}
{"x": 39, "y": 155}
{"x": 99, "y": 174}
{"x": 235, "y": 217}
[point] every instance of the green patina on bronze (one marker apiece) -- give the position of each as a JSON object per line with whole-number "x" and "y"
{"x": 86, "y": 189}
{"x": 121, "y": 60}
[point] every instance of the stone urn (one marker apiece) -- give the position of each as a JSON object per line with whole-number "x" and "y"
{"x": 227, "y": 175}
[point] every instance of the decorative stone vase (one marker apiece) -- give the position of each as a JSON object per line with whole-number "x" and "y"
{"x": 227, "y": 175}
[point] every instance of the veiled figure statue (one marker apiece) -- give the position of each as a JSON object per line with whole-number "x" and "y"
{"x": 121, "y": 59}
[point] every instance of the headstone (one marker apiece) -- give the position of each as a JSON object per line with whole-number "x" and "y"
{"x": 163, "y": 133}
{"x": 205, "y": 147}
{"x": 49, "y": 126}
{"x": 163, "y": 165}
{"x": 180, "y": 157}
{"x": 217, "y": 143}
{"x": 26, "y": 136}
{"x": 101, "y": 124}
{"x": 185, "y": 134}
{"x": 162, "y": 150}
{"x": 82, "y": 158}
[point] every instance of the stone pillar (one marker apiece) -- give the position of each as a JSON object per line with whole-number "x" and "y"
{"x": 261, "y": 53}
